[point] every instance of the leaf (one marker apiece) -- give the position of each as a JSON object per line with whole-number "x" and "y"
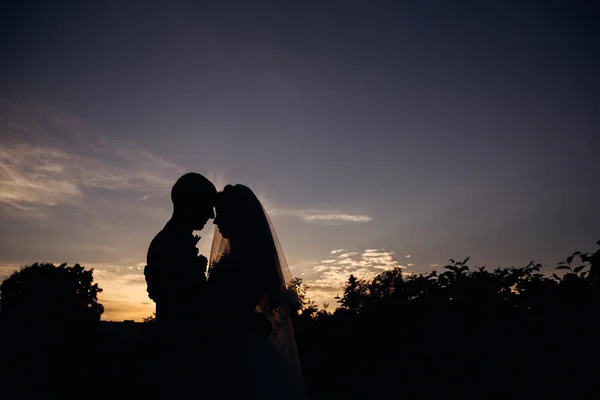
{"x": 569, "y": 259}
{"x": 598, "y": 242}
{"x": 556, "y": 277}
{"x": 576, "y": 253}
{"x": 563, "y": 267}
{"x": 466, "y": 259}
{"x": 583, "y": 274}
{"x": 576, "y": 270}
{"x": 452, "y": 261}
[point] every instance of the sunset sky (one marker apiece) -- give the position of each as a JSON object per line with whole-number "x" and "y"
{"x": 377, "y": 133}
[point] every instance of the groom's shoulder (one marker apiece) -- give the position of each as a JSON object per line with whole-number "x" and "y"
{"x": 165, "y": 240}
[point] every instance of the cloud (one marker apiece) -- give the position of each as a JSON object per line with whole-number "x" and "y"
{"x": 329, "y": 276}
{"x": 310, "y": 215}
{"x": 335, "y": 217}
{"x": 317, "y": 216}
{"x": 50, "y": 157}
{"x": 36, "y": 176}
{"x": 31, "y": 175}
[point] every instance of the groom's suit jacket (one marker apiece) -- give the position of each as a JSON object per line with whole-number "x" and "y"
{"x": 175, "y": 278}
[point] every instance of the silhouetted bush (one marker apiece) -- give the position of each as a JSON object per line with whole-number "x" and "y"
{"x": 512, "y": 332}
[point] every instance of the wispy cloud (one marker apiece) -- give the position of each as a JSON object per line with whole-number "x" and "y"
{"x": 335, "y": 217}
{"x": 316, "y": 215}
{"x": 50, "y": 157}
{"x": 323, "y": 216}
{"x": 31, "y": 175}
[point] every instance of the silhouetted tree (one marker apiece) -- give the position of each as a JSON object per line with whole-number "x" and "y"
{"x": 150, "y": 319}
{"x": 50, "y": 316}
{"x": 44, "y": 292}
{"x": 303, "y": 304}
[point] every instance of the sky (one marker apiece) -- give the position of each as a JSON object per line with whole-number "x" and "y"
{"x": 378, "y": 134}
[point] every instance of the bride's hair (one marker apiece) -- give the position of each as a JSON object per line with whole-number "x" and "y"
{"x": 254, "y": 238}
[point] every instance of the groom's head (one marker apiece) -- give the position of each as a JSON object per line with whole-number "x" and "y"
{"x": 193, "y": 198}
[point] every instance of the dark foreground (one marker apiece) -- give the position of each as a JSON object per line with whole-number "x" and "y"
{"x": 445, "y": 354}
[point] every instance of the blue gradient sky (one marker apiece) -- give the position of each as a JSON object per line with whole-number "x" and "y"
{"x": 429, "y": 129}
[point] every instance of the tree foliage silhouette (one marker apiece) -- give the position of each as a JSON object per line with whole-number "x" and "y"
{"x": 44, "y": 292}
{"x": 50, "y": 316}
{"x": 465, "y": 331}
{"x": 151, "y": 319}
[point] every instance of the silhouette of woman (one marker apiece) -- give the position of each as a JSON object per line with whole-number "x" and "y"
{"x": 248, "y": 284}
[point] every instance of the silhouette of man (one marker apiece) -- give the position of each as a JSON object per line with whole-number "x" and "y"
{"x": 175, "y": 272}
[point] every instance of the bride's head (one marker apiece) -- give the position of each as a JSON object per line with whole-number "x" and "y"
{"x": 244, "y": 225}
{"x": 239, "y": 214}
